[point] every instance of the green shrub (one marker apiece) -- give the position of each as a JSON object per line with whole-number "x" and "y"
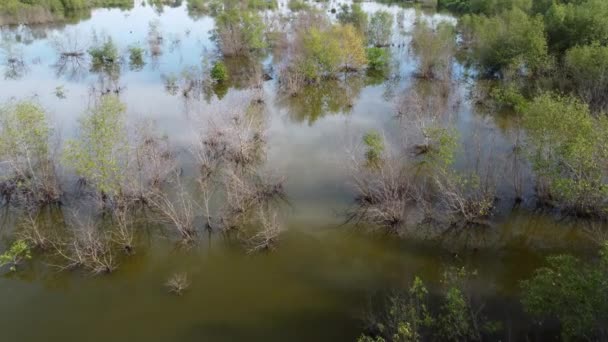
{"x": 568, "y": 148}
{"x": 377, "y": 58}
{"x": 355, "y": 16}
{"x": 104, "y": 55}
{"x": 574, "y": 293}
{"x": 136, "y": 58}
{"x": 511, "y": 40}
{"x": 17, "y": 253}
{"x": 380, "y": 28}
{"x": 219, "y": 72}
{"x": 239, "y": 32}
{"x": 576, "y": 23}
{"x": 375, "y": 148}
{"x": 587, "y": 67}
{"x": 297, "y": 5}
{"x": 97, "y": 154}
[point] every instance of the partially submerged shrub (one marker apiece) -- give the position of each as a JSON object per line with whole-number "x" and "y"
{"x": 178, "y": 283}
{"x": 239, "y": 32}
{"x": 86, "y": 247}
{"x": 355, "y": 16}
{"x": 28, "y": 170}
{"x": 587, "y": 67}
{"x": 136, "y": 58}
{"x": 434, "y": 47}
{"x": 380, "y": 29}
{"x": 105, "y": 56}
{"x": 375, "y": 147}
{"x": 18, "y": 252}
{"x": 573, "y": 292}
{"x": 321, "y": 52}
{"x": 219, "y": 72}
{"x": 98, "y": 153}
{"x": 568, "y": 150}
{"x": 377, "y": 58}
{"x": 406, "y": 316}
{"x": 510, "y": 40}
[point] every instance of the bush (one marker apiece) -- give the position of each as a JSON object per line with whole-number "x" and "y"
{"x": 219, "y": 72}
{"x": 375, "y": 147}
{"x": 24, "y": 145}
{"x": 576, "y": 23}
{"x": 434, "y": 47}
{"x": 97, "y": 154}
{"x": 511, "y": 40}
{"x": 380, "y": 29}
{"x": 377, "y": 58}
{"x": 297, "y": 5}
{"x": 239, "y": 32}
{"x": 574, "y": 293}
{"x": 136, "y": 58}
{"x": 587, "y": 67}
{"x": 18, "y": 252}
{"x": 569, "y": 150}
{"x": 355, "y": 16}
{"x": 105, "y": 55}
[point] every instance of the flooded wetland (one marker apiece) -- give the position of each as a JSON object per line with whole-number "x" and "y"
{"x": 231, "y": 170}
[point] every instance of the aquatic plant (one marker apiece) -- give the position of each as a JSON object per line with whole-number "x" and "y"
{"x": 239, "y": 32}
{"x": 568, "y": 150}
{"x": 355, "y": 16}
{"x": 98, "y": 154}
{"x": 178, "y": 283}
{"x": 104, "y": 56}
{"x": 573, "y": 292}
{"x": 435, "y": 48}
{"x": 380, "y": 29}
{"x": 18, "y": 252}
{"x": 28, "y": 171}
{"x": 219, "y": 73}
{"x": 377, "y": 58}
{"x": 375, "y": 147}
{"x": 136, "y": 57}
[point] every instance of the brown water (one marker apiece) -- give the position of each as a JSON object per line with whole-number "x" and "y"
{"x": 317, "y": 284}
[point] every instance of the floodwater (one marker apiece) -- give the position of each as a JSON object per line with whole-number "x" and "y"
{"x": 317, "y": 285}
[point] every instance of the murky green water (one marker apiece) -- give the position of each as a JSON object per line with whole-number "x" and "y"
{"x": 317, "y": 284}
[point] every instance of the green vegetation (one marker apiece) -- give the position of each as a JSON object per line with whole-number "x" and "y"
{"x": 574, "y": 293}
{"x": 407, "y": 315}
{"x": 240, "y": 32}
{"x": 355, "y": 16}
{"x": 219, "y": 72}
{"x": 25, "y": 135}
{"x": 136, "y": 57}
{"x": 18, "y": 252}
{"x": 97, "y": 153}
{"x": 377, "y": 58}
{"x": 375, "y": 147}
{"x": 321, "y": 53}
{"x": 587, "y": 68}
{"x": 572, "y": 23}
{"x": 434, "y": 47}
{"x": 511, "y": 40}
{"x": 297, "y": 5}
{"x": 569, "y": 151}
{"x": 43, "y": 11}
{"x": 380, "y": 29}
{"x": 104, "y": 57}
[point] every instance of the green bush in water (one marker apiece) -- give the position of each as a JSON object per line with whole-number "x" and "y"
{"x": 219, "y": 72}
{"x": 377, "y": 58}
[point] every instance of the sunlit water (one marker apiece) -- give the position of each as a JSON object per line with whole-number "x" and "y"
{"x": 317, "y": 284}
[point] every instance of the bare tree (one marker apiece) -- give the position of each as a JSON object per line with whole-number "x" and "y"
{"x": 86, "y": 247}
{"x": 267, "y": 237}
{"x": 178, "y": 210}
